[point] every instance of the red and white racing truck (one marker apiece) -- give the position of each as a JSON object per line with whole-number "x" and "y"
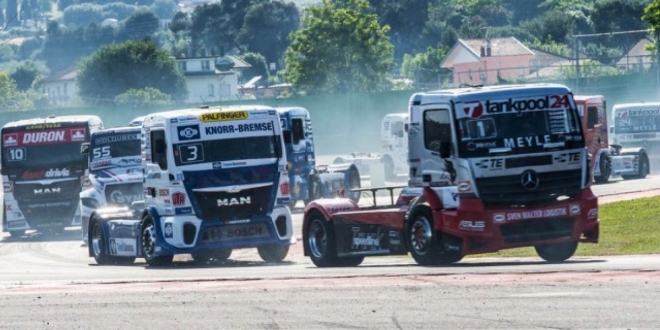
{"x": 491, "y": 168}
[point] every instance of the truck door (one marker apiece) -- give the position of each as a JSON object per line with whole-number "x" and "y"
{"x": 156, "y": 176}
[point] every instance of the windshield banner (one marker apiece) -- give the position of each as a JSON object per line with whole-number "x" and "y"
{"x": 477, "y": 109}
{"x": 41, "y": 137}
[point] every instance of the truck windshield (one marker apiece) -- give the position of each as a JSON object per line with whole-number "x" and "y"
{"x": 110, "y": 150}
{"x": 224, "y": 150}
{"x": 36, "y": 149}
{"x": 519, "y": 132}
{"x": 636, "y": 120}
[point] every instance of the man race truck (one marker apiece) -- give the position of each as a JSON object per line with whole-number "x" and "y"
{"x": 214, "y": 180}
{"x": 115, "y": 171}
{"x": 491, "y": 168}
{"x": 43, "y": 172}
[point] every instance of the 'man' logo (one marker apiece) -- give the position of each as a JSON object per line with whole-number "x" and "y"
{"x": 44, "y": 191}
{"x": 234, "y": 201}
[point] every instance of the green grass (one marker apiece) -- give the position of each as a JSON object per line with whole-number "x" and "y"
{"x": 626, "y": 228}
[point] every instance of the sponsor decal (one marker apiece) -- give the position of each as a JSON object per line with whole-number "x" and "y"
{"x": 527, "y": 141}
{"x": 116, "y": 138}
{"x": 464, "y": 186}
{"x": 231, "y": 164}
{"x": 592, "y": 214}
{"x": 118, "y": 197}
{"x": 223, "y": 116}
{"x": 9, "y": 140}
{"x": 472, "y": 145}
{"x": 43, "y": 126}
{"x": 574, "y": 209}
{"x": 284, "y": 200}
{"x": 537, "y": 214}
{"x": 8, "y": 186}
{"x": 469, "y": 225}
{"x": 122, "y": 247}
{"x": 395, "y": 237}
{"x": 240, "y": 128}
{"x": 473, "y": 109}
{"x": 529, "y": 180}
{"x": 217, "y": 165}
{"x": 241, "y": 200}
{"x": 16, "y": 224}
{"x": 178, "y": 198}
{"x": 492, "y": 163}
{"x": 366, "y": 241}
{"x": 51, "y": 173}
{"x": 183, "y": 210}
{"x": 169, "y": 230}
{"x": 163, "y": 192}
{"x": 519, "y": 105}
{"x": 189, "y": 132}
{"x": 499, "y": 217}
{"x": 246, "y": 231}
{"x": 643, "y": 112}
{"x": 233, "y": 222}
{"x": 78, "y": 134}
{"x": 179, "y": 176}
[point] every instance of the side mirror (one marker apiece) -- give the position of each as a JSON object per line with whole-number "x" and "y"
{"x": 84, "y": 148}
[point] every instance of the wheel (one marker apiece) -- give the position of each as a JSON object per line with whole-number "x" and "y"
{"x": 17, "y": 233}
{"x": 354, "y": 183}
{"x": 99, "y": 244}
{"x": 605, "y": 165}
{"x": 320, "y": 242}
{"x": 644, "y": 168}
{"x": 556, "y": 252}
{"x": 149, "y": 242}
{"x": 315, "y": 189}
{"x": 214, "y": 255}
{"x": 339, "y": 160}
{"x": 424, "y": 245}
{"x": 273, "y": 252}
{"x": 388, "y": 168}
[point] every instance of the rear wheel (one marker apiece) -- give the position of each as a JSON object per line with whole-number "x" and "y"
{"x": 605, "y": 166}
{"x": 315, "y": 189}
{"x": 273, "y": 252}
{"x": 320, "y": 242}
{"x": 149, "y": 243}
{"x": 557, "y": 252}
{"x": 353, "y": 183}
{"x": 644, "y": 168}
{"x": 424, "y": 245}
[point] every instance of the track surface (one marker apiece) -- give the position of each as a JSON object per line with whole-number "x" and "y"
{"x": 50, "y": 283}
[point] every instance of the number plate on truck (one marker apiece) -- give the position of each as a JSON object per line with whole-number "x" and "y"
{"x": 233, "y": 232}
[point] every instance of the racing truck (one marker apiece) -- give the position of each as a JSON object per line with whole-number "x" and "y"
{"x": 115, "y": 171}
{"x": 607, "y": 159}
{"x": 309, "y": 181}
{"x": 215, "y": 179}
{"x": 491, "y": 168}
{"x": 43, "y": 172}
{"x": 637, "y": 127}
{"x": 391, "y": 164}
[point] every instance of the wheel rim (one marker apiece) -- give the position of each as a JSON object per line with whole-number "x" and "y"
{"x": 420, "y": 236}
{"x": 148, "y": 240}
{"x": 97, "y": 239}
{"x": 318, "y": 239}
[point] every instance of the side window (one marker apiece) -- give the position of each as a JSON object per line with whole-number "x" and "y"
{"x": 159, "y": 149}
{"x": 397, "y": 129}
{"x": 297, "y": 130}
{"x": 437, "y": 129}
{"x": 592, "y": 117}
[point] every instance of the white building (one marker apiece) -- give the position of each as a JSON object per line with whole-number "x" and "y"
{"x": 208, "y": 84}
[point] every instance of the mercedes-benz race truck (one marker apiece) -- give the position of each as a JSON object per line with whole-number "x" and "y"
{"x": 491, "y": 168}
{"x": 215, "y": 179}
{"x": 308, "y": 180}
{"x": 607, "y": 159}
{"x": 391, "y": 164}
{"x": 115, "y": 171}
{"x": 43, "y": 172}
{"x": 636, "y": 126}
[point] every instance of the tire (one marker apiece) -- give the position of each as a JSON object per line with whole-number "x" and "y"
{"x": 605, "y": 165}
{"x": 148, "y": 244}
{"x": 99, "y": 245}
{"x": 423, "y": 242}
{"x": 388, "y": 168}
{"x": 354, "y": 183}
{"x": 219, "y": 255}
{"x": 320, "y": 241}
{"x": 644, "y": 168}
{"x": 557, "y": 252}
{"x": 273, "y": 252}
{"x": 315, "y": 189}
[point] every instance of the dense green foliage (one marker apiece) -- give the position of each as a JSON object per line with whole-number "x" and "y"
{"x": 116, "y": 69}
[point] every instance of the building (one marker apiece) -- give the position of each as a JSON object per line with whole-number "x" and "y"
{"x": 206, "y": 83}
{"x": 61, "y": 88}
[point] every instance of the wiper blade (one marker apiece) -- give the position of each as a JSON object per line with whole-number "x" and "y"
{"x": 499, "y": 150}
{"x": 553, "y": 145}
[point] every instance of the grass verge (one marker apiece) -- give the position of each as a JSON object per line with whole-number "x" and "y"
{"x": 626, "y": 228}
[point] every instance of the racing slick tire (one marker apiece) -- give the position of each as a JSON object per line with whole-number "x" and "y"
{"x": 320, "y": 242}
{"x": 219, "y": 255}
{"x": 354, "y": 182}
{"x": 98, "y": 244}
{"x": 315, "y": 189}
{"x": 605, "y": 165}
{"x": 148, "y": 244}
{"x": 644, "y": 168}
{"x": 557, "y": 252}
{"x": 423, "y": 241}
{"x": 273, "y": 252}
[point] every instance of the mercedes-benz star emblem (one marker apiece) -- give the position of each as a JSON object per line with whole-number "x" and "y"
{"x": 529, "y": 180}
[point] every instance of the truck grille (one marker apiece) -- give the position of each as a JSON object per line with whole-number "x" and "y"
{"x": 508, "y": 190}
{"x": 123, "y": 194}
{"x": 536, "y": 230}
{"x": 50, "y": 203}
{"x": 235, "y": 205}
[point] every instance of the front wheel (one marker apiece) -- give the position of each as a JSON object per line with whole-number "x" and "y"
{"x": 100, "y": 250}
{"x": 320, "y": 242}
{"x": 149, "y": 243}
{"x": 273, "y": 252}
{"x": 605, "y": 166}
{"x": 557, "y": 252}
{"x": 424, "y": 243}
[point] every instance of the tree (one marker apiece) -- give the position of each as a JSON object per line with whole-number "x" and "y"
{"x": 258, "y": 66}
{"x": 180, "y": 23}
{"x": 165, "y": 9}
{"x": 424, "y": 68}
{"x": 25, "y": 75}
{"x": 267, "y": 27}
{"x": 115, "y": 69}
{"x": 147, "y": 96}
{"x": 340, "y": 48}
{"x": 11, "y": 13}
{"x": 143, "y": 23}
{"x": 10, "y": 98}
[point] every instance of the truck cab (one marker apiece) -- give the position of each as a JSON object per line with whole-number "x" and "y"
{"x": 394, "y": 147}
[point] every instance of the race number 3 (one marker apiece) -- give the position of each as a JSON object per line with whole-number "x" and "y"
{"x": 191, "y": 153}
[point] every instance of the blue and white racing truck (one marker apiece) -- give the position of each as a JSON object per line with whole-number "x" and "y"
{"x": 115, "y": 171}
{"x": 308, "y": 180}
{"x": 215, "y": 180}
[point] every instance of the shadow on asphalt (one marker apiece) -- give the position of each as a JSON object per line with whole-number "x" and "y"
{"x": 53, "y": 236}
{"x": 191, "y": 264}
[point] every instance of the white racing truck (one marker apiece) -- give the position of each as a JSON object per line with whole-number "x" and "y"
{"x": 43, "y": 172}
{"x": 115, "y": 171}
{"x": 637, "y": 127}
{"x": 391, "y": 164}
{"x": 215, "y": 180}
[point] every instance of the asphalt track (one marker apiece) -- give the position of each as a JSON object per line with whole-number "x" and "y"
{"x": 50, "y": 283}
